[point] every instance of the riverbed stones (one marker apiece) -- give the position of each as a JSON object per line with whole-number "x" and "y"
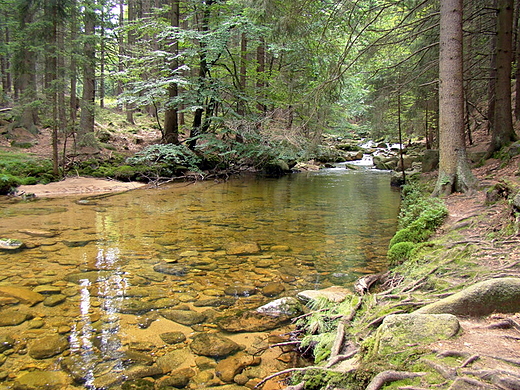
{"x": 39, "y": 379}
{"x": 501, "y": 295}
{"x": 399, "y": 331}
{"x": 24, "y": 295}
{"x": 173, "y": 337}
{"x": 184, "y": 317}
{"x": 213, "y": 345}
{"x": 242, "y": 248}
{"x": 6, "y": 342}
{"x": 48, "y": 346}
{"x": 47, "y": 289}
{"x": 333, "y": 294}
{"x": 215, "y": 302}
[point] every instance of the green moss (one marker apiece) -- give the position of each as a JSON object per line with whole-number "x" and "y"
{"x": 400, "y": 252}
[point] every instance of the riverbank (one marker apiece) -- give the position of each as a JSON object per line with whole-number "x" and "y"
{"x": 393, "y": 339}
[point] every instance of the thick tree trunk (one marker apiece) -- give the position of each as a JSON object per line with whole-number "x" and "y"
{"x": 171, "y": 121}
{"x": 260, "y": 74}
{"x": 454, "y": 170}
{"x": 86, "y": 125}
{"x": 502, "y": 131}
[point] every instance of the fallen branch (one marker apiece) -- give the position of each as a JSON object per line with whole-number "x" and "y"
{"x": 391, "y": 376}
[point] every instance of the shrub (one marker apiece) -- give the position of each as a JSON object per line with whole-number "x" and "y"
{"x": 400, "y": 252}
{"x": 8, "y": 183}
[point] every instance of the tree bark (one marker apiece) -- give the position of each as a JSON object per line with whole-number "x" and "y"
{"x": 171, "y": 120}
{"x": 86, "y": 126}
{"x": 502, "y": 131}
{"x": 454, "y": 172}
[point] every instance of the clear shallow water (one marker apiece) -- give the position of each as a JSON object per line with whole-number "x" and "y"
{"x": 307, "y": 231}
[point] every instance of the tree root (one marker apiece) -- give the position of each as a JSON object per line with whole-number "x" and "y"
{"x": 445, "y": 372}
{"x": 391, "y": 376}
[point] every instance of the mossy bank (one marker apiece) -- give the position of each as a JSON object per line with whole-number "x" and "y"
{"x": 452, "y": 275}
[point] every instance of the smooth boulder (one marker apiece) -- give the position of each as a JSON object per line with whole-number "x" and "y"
{"x": 213, "y": 345}
{"x": 501, "y": 295}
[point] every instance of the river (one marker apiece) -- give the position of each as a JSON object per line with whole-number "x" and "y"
{"x": 107, "y": 266}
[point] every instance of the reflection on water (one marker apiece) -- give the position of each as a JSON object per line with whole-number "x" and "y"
{"x": 107, "y": 267}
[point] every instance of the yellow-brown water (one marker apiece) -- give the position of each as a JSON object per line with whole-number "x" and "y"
{"x": 312, "y": 230}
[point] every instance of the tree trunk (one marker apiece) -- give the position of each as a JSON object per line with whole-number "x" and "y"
{"x": 102, "y": 50}
{"x": 260, "y": 74}
{"x": 502, "y": 131}
{"x": 454, "y": 171}
{"x": 86, "y": 125}
{"x": 241, "y": 109}
{"x": 73, "y": 103}
{"x": 171, "y": 121}
{"x": 517, "y": 60}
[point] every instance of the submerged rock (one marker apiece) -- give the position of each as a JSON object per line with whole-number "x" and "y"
{"x": 173, "y": 337}
{"x": 240, "y": 291}
{"x": 184, "y": 317}
{"x": 171, "y": 269}
{"x": 398, "y": 331}
{"x": 500, "y": 295}
{"x": 173, "y": 360}
{"x": 242, "y": 248}
{"x": 38, "y": 380}
{"x": 178, "y": 379}
{"x": 228, "y": 368}
{"x": 24, "y": 295}
{"x": 48, "y": 346}
{"x": 213, "y": 345}
{"x": 13, "y": 318}
{"x": 215, "y": 302}
{"x": 273, "y": 289}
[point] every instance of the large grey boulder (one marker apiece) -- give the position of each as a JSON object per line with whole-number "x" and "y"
{"x": 500, "y": 295}
{"x": 398, "y": 331}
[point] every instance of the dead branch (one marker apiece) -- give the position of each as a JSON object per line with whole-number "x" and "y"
{"x": 391, "y": 376}
{"x": 299, "y": 386}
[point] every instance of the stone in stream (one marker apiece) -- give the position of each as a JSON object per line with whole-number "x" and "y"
{"x": 6, "y": 342}
{"x": 13, "y": 318}
{"x": 173, "y": 360}
{"x": 184, "y": 317}
{"x": 173, "y": 337}
{"x": 39, "y": 233}
{"x": 241, "y": 291}
{"x": 48, "y": 346}
{"x": 11, "y": 244}
{"x": 54, "y": 300}
{"x": 47, "y": 289}
{"x": 287, "y": 306}
{"x": 24, "y": 295}
{"x": 273, "y": 289}
{"x": 171, "y": 269}
{"x": 242, "y": 248}
{"x": 231, "y": 366}
{"x": 213, "y": 345}
{"x": 38, "y": 380}
{"x": 333, "y": 294}
{"x": 178, "y": 379}
{"x": 215, "y": 302}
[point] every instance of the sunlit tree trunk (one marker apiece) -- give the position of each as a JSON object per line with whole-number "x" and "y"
{"x": 454, "y": 171}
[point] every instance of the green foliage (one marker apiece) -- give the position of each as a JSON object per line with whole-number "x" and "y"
{"x": 21, "y": 169}
{"x": 318, "y": 379}
{"x": 8, "y": 183}
{"x": 165, "y": 160}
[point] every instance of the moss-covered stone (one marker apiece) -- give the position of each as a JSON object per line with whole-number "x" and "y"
{"x": 500, "y": 295}
{"x": 399, "y": 331}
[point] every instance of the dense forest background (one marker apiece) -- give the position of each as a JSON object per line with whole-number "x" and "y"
{"x": 262, "y": 79}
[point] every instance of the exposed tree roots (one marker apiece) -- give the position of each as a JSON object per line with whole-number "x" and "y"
{"x": 391, "y": 376}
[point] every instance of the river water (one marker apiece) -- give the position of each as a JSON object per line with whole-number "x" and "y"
{"x": 107, "y": 266}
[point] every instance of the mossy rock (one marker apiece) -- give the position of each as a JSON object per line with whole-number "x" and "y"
{"x": 410, "y": 234}
{"x": 399, "y": 331}
{"x": 501, "y": 295}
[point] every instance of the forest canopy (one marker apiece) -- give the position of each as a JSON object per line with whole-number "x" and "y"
{"x": 250, "y": 70}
